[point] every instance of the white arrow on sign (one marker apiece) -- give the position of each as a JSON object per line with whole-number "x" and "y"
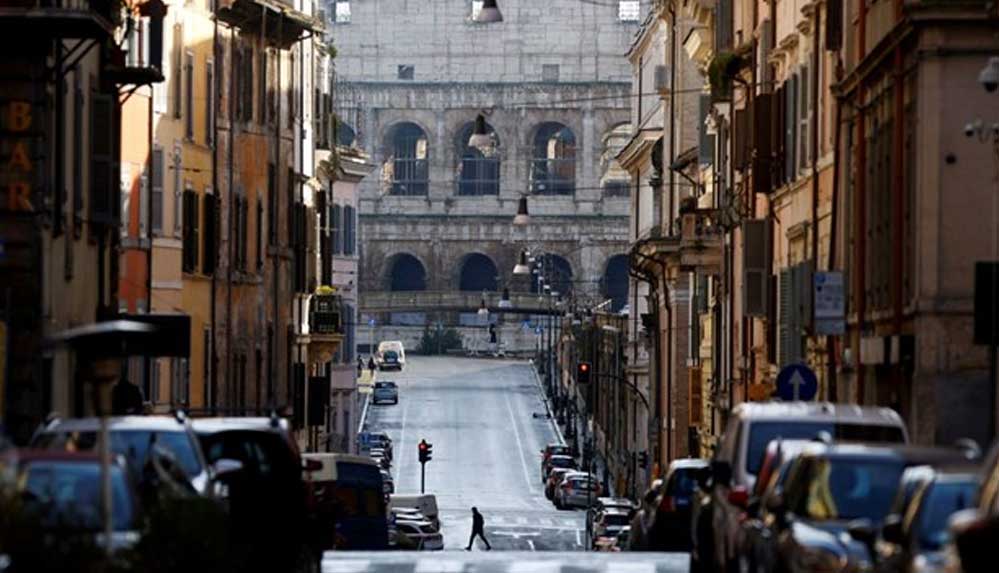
{"x": 797, "y": 381}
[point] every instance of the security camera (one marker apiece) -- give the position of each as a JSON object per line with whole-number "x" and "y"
{"x": 989, "y": 76}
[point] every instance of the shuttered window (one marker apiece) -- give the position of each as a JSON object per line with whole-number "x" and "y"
{"x": 336, "y": 228}
{"x": 349, "y": 239}
{"x": 260, "y": 234}
{"x": 102, "y": 179}
{"x": 210, "y": 236}
{"x": 159, "y": 166}
{"x": 190, "y": 233}
{"x": 189, "y": 95}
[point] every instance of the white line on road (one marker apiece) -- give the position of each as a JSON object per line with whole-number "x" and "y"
{"x": 402, "y": 443}
{"x": 520, "y": 445}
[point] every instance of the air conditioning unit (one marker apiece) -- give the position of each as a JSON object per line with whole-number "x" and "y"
{"x": 662, "y": 79}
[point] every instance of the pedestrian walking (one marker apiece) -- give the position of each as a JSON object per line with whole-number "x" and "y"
{"x": 371, "y": 365}
{"x": 360, "y": 366}
{"x": 478, "y": 528}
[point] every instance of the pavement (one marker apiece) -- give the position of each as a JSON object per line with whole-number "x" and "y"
{"x": 486, "y": 421}
{"x": 508, "y": 562}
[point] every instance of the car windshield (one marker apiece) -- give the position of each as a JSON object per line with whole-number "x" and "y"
{"x": 846, "y": 488}
{"x": 682, "y": 483}
{"x": 941, "y": 501}
{"x": 762, "y": 433}
{"x": 583, "y": 484}
{"x": 563, "y": 462}
{"x": 67, "y": 494}
{"x": 384, "y": 385}
{"x": 133, "y": 444}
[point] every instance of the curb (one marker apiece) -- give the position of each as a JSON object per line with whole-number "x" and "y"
{"x": 548, "y": 409}
{"x": 364, "y": 413}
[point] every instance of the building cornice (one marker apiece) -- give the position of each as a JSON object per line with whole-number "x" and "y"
{"x": 638, "y": 148}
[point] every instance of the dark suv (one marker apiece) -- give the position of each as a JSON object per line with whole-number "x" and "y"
{"x": 834, "y": 499}
{"x": 269, "y": 504}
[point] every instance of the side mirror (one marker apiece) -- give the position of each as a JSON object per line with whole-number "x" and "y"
{"x": 225, "y": 467}
{"x": 891, "y": 531}
{"x": 311, "y": 465}
{"x": 721, "y": 473}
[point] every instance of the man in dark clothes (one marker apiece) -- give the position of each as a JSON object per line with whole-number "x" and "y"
{"x": 371, "y": 366}
{"x": 478, "y": 528}
{"x": 126, "y": 399}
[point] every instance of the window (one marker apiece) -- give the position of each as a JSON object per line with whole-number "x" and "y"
{"x": 553, "y": 167}
{"x": 349, "y": 239}
{"x": 476, "y": 8}
{"x": 206, "y": 366}
{"x": 178, "y": 63}
{"x": 190, "y": 241}
{"x": 181, "y": 381}
{"x": 549, "y": 72}
{"x": 260, "y": 234}
{"x": 102, "y": 158}
{"x": 178, "y": 189}
{"x": 244, "y": 83}
{"x": 210, "y": 236}
{"x": 629, "y": 11}
{"x": 158, "y": 165}
{"x": 805, "y": 114}
{"x": 78, "y": 155}
{"x": 336, "y": 228}
{"x": 408, "y": 162}
{"x": 272, "y": 198}
{"x": 341, "y": 12}
{"x": 405, "y": 72}
{"x": 478, "y": 169}
{"x": 240, "y": 210}
{"x": 265, "y": 94}
{"x": 189, "y": 94}
{"x": 210, "y": 104}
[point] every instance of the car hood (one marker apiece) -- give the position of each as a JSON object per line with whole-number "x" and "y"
{"x": 832, "y": 537}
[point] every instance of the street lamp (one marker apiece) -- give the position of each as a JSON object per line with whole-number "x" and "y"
{"x": 489, "y": 14}
{"x": 522, "y": 268}
{"x": 523, "y": 217}
{"x": 481, "y": 138}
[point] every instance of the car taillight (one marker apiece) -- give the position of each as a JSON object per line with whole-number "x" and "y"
{"x": 666, "y": 503}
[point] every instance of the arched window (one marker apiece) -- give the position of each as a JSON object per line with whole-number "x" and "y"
{"x": 615, "y": 281}
{"x": 345, "y": 134}
{"x": 557, "y": 272}
{"x": 478, "y": 273}
{"x": 478, "y": 169}
{"x": 553, "y": 165}
{"x": 406, "y": 273}
{"x": 407, "y": 166}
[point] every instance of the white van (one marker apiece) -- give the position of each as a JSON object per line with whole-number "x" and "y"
{"x": 390, "y": 354}
{"x": 426, "y": 503}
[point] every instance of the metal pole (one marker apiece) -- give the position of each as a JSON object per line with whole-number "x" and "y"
{"x": 423, "y": 477}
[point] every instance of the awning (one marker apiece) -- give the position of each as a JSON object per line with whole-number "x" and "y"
{"x": 282, "y": 25}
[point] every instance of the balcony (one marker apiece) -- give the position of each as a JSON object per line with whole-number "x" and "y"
{"x": 326, "y": 328}
{"x": 275, "y": 19}
{"x": 701, "y": 244}
{"x": 84, "y": 19}
{"x": 653, "y": 249}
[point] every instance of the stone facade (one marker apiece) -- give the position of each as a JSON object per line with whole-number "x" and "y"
{"x": 545, "y": 64}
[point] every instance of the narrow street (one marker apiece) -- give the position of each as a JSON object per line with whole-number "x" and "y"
{"x": 485, "y": 419}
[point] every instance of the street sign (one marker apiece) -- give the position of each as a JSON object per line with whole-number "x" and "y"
{"x": 538, "y": 330}
{"x": 830, "y": 303}
{"x": 797, "y": 382}
{"x": 371, "y": 322}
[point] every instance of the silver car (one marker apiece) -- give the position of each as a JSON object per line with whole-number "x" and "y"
{"x": 385, "y": 392}
{"x": 577, "y": 490}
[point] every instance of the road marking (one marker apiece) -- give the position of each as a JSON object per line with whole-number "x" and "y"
{"x": 579, "y": 538}
{"x": 520, "y": 444}
{"x": 630, "y": 567}
{"x": 530, "y": 543}
{"x": 535, "y": 567}
{"x": 435, "y": 566}
{"x": 402, "y": 443}
{"x": 334, "y": 565}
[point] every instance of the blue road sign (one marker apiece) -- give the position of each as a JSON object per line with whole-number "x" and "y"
{"x": 538, "y": 330}
{"x": 371, "y": 322}
{"x": 797, "y": 382}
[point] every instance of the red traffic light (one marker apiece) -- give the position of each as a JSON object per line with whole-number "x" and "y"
{"x": 584, "y": 367}
{"x": 423, "y": 446}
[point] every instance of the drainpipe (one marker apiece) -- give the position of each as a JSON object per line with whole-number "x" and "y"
{"x": 814, "y": 143}
{"x": 833, "y": 395}
{"x": 232, "y": 250}
{"x": 212, "y": 354}
{"x": 860, "y": 217}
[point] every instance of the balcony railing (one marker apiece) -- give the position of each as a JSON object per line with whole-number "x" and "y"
{"x": 60, "y": 18}
{"x": 326, "y": 314}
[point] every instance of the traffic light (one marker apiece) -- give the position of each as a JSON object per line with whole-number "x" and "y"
{"x": 426, "y": 451}
{"x": 583, "y": 373}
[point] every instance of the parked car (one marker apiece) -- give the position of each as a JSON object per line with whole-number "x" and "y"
{"x": 577, "y": 490}
{"x": 348, "y": 498}
{"x": 369, "y": 441}
{"x": 608, "y": 523}
{"x": 421, "y": 533}
{"x": 394, "y": 346}
{"x": 835, "y": 498}
{"x": 390, "y": 361}
{"x": 974, "y": 532}
{"x": 737, "y": 461}
{"x": 915, "y": 533}
{"x": 385, "y": 392}
{"x": 604, "y": 503}
{"x": 622, "y": 541}
{"x": 558, "y": 461}
{"x": 554, "y": 479}
{"x": 64, "y": 490}
{"x": 552, "y": 450}
{"x": 381, "y": 452}
{"x": 668, "y": 526}
{"x": 136, "y": 438}
{"x": 383, "y": 462}
{"x": 269, "y": 502}
{"x": 387, "y": 482}
{"x": 425, "y": 503}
